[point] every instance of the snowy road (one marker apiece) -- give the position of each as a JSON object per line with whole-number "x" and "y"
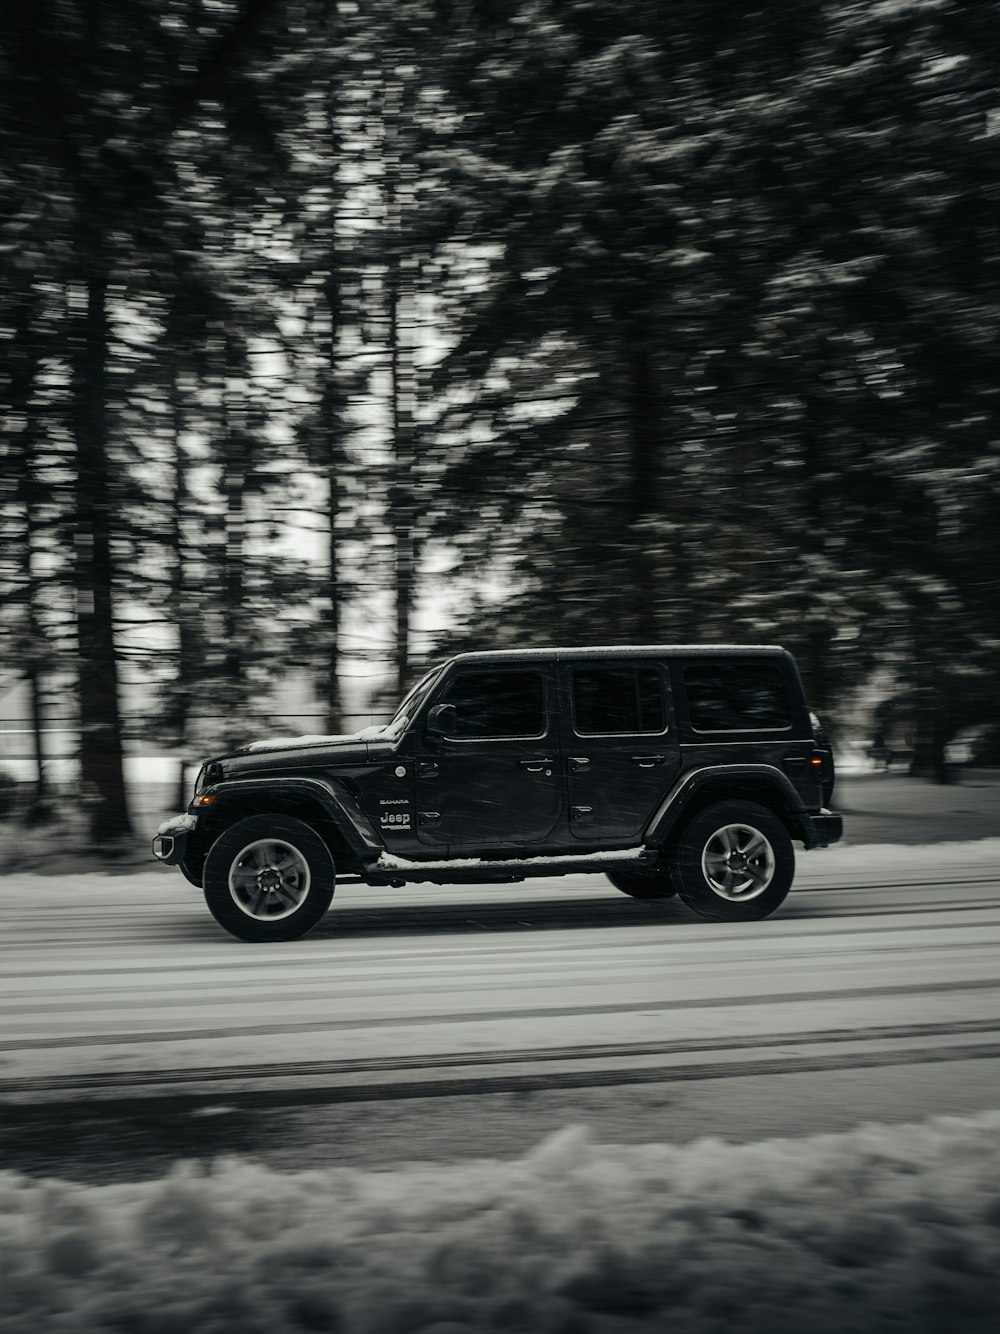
{"x": 442, "y": 1023}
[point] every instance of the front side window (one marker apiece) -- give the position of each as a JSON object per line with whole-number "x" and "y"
{"x": 497, "y": 704}
{"x": 736, "y": 697}
{"x": 609, "y": 700}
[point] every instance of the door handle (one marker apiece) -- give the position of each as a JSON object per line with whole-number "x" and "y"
{"x": 428, "y": 769}
{"x": 579, "y": 764}
{"x": 536, "y": 766}
{"x": 648, "y": 761}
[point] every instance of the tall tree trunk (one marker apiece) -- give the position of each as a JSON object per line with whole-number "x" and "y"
{"x": 401, "y": 280}
{"x": 644, "y": 445}
{"x": 101, "y": 758}
{"x": 400, "y": 491}
{"x": 29, "y": 494}
{"x": 181, "y": 610}
{"x": 332, "y": 428}
{"x": 930, "y": 733}
{"x": 814, "y": 654}
{"x": 34, "y": 493}
{"x": 234, "y": 469}
{"x": 38, "y": 811}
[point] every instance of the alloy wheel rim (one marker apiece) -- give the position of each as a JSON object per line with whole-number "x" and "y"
{"x": 738, "y": 862}
{"x": 269, "y": 880}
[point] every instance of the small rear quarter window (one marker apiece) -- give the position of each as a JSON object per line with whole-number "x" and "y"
{"x": 736, "y": 697}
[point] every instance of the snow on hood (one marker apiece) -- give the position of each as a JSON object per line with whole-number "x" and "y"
{"x": 311, "y": 739}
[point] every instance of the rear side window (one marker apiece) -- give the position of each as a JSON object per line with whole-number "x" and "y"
{"x": 736, "y": 697}
{"x": 498, "y": 704}
{"x": 617, "y": 699}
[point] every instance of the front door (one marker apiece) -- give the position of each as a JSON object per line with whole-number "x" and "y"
{"x": 494, "y": 782}
{"x": 622, "y": 752}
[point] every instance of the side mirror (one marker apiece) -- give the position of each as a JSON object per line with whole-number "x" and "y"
{"x": 442, "y": 720}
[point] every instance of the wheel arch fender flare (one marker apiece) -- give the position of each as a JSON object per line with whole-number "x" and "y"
{"x": 722, "y": 781}
{"x": 336, "y": 803}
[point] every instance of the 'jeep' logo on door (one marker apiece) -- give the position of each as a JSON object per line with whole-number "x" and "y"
{"x": 394, "y": 820}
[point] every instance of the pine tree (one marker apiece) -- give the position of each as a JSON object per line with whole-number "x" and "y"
{"x": 76, "y": 78}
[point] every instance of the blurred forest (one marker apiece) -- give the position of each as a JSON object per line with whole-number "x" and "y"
{"x": 604, "y": 322}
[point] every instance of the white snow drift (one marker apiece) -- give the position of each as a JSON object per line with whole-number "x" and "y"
{"x": 884, "y": 1228}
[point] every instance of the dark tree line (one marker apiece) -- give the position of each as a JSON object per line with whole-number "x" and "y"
{"x": 648, "y": 322}
{"x": 749, "y": 256}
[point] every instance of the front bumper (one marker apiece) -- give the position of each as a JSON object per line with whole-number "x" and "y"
{"x": 170, "y": 840}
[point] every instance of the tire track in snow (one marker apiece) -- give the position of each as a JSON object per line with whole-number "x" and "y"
{"x": 140, "y": 1037}
{"x": 175, "y": 1104}
{"x": 72, "y": 1086}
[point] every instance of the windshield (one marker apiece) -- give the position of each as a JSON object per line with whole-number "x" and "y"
{"x": 411, "y": 704}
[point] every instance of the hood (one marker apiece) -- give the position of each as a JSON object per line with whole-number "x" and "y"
{"x": 292, "y": 752}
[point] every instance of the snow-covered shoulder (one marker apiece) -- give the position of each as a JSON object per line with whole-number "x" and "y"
{"x": 882, "y": 1229}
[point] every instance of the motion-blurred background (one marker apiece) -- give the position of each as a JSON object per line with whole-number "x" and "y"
{"x": 338, "y": 336}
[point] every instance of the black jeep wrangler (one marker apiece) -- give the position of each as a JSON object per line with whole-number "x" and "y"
{"x": 679, "y": 769}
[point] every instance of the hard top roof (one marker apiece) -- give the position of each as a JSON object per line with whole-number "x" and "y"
{"x": 623, "y": 651}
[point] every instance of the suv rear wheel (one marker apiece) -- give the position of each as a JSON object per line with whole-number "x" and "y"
{"x": 733, "y": 861}
{"x": 268, "y": 878}
{"x": 643, "y": 884}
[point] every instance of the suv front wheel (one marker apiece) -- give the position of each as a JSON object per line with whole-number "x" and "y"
{"x": 268, "y": 878}
{"x": 733, "y": 861}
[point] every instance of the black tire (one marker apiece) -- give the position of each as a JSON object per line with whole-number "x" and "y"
{"x": 643, "y": 884}
{"x": 747, "y": 882}
{"x": 269, "y": 878}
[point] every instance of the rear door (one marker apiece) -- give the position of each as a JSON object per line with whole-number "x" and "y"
{"x": 494, "y": 783}
{"x": 748, "y": 710}
{"x": 622, "y": 753}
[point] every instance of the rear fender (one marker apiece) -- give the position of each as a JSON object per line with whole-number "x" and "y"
{"x": 762, "y": 783}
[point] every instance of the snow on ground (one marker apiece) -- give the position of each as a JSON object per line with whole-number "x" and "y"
{"x": 878, "y": 1229}
{"x": 895, "y": 862}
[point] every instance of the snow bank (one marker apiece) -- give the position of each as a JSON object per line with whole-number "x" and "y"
{"x": 884, "y": 1228}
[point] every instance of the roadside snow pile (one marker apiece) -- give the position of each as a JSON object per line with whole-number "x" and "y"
{"x": 885, "y": 1228}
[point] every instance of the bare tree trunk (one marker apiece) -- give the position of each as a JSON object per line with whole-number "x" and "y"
{"x": 400, "y": 491}
{"x": 181, "y": 608}
{"x": 400, "y": 291}
{"x": 332, "y": 427}
{"x": 644, "y": 434}
{"x": 101, "y": 757}
{"x": 234, "y": 471}
{"x": 930, "y": 734}
{"x": 23, "y": 369}
{"x": 814, "y": 655}
{"x": 39, "y": 810}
